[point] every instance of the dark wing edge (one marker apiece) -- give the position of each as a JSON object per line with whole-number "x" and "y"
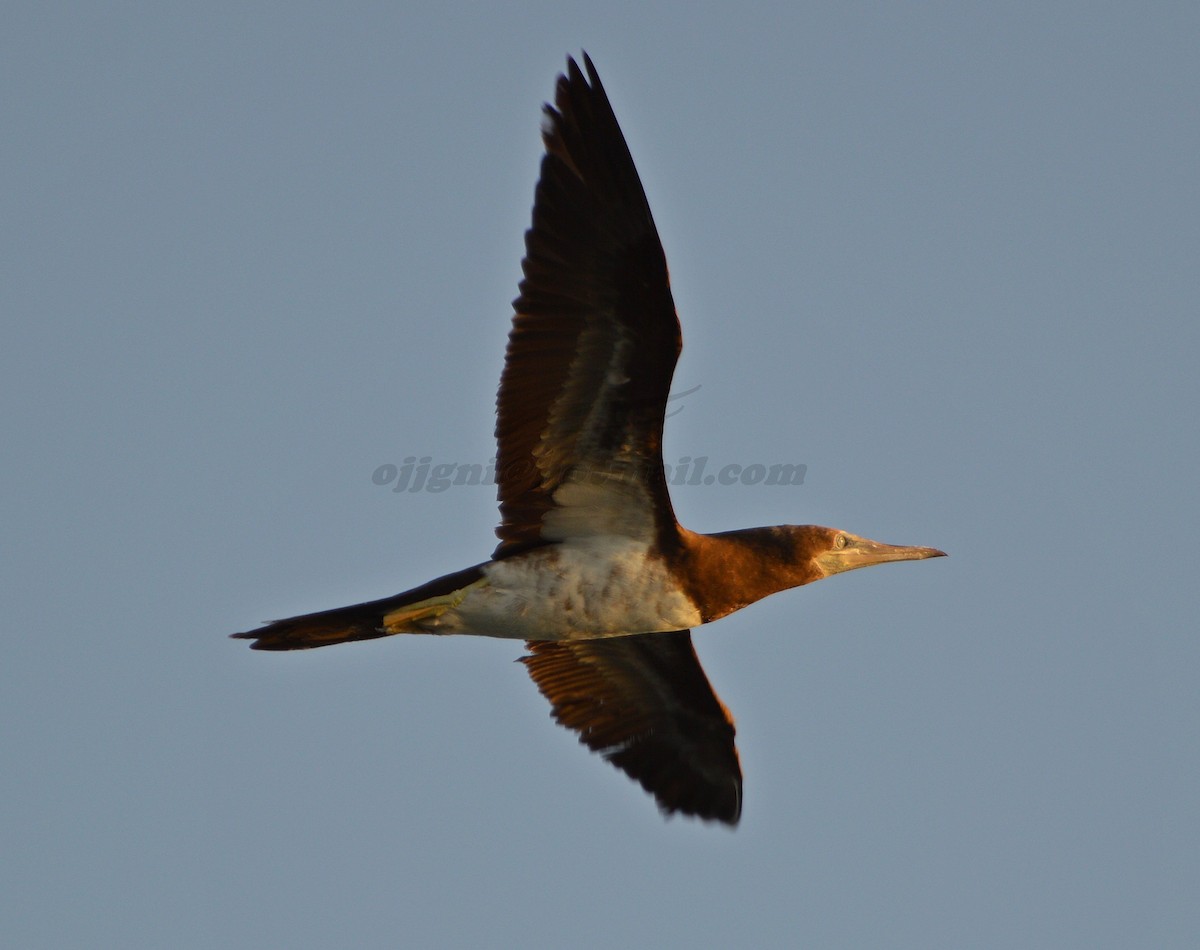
{"x": 644, "y": 703}
{"x": 595, "y": 337}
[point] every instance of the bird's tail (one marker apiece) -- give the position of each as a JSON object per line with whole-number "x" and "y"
{"x": 409, "y": 612}
{"x": 360, "y": 622}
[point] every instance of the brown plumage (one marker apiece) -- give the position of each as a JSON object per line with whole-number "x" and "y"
{"x": 644, "y": 703}
{"x": 592, "y": 569}
{"x": 595, "y": 337}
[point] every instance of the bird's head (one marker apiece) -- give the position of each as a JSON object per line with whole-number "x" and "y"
{"x": 835, "y": 552}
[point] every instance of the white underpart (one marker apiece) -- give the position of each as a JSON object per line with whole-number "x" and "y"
{"x": 599, "y": 580}
{"x": 601, "y": 586}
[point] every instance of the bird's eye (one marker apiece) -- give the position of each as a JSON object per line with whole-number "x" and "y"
{"x": 839, "y": 541}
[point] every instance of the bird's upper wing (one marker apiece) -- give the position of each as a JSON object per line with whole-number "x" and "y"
{"x": 593, "y": 345}
{"x": 644, "y": 703}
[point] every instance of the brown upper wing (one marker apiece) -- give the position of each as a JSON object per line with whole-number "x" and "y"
{"x": 594, "y": 341}
{"x": 644, "y": 703}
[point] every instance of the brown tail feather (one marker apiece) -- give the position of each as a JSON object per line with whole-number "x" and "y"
{"x": 361, "y": 622}
{"x": 344, "y": 624}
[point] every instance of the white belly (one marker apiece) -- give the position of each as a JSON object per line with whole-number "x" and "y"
{"x": 582, "y": 589}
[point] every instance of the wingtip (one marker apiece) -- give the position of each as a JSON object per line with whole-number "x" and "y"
{"x": 587, "y": 73}
{"x": 717, "y": 819}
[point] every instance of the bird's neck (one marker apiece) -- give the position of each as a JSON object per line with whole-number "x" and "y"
{"x": 727, "y": 571}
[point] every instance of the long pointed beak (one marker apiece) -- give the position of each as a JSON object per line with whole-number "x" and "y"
{"x": 862, "y": 552}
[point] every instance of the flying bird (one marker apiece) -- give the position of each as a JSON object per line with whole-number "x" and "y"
{"x": 592, "y": 568}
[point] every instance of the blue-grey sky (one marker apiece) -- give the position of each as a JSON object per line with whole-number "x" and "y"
{"x": 944, "y": 255}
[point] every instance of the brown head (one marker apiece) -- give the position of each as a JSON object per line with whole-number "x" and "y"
{"x": 725, "y": 572}
{"x": 835, "y": 552}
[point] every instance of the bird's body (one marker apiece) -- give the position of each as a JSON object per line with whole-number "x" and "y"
{"x": 607, "y": 586}
{"x": 592, "y": 569}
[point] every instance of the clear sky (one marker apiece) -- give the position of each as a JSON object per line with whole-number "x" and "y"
{"x": 944, "y": 255}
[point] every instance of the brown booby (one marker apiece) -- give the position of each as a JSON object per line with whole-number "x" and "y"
{"x": 592, "y": 569}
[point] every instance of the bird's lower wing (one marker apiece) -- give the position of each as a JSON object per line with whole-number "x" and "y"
{"x": 644, "y": 703}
